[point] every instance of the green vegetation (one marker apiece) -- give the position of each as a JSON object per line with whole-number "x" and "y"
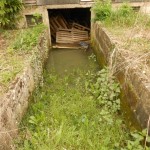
{"x": 27, "y": 39}
{"x": 78, "y": 111}
{"x": 122, "y": 16}
{"x": 102, "y": 10}
{"x": 15, "y": 53}
{"x": 9, "y": 12}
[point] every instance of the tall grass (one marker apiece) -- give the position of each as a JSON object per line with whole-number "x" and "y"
{"x": 72, "y": 113}
{"x": 123, "y": 16}
{"x": 78, "y": 111}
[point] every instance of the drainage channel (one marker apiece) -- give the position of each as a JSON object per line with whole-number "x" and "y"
{"x": 74, "y": 110}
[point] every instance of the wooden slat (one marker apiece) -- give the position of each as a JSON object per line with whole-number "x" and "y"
{"x": 79, "y": 27}
{"x": 71, "y": 36}
{"x": 62, "y": 22}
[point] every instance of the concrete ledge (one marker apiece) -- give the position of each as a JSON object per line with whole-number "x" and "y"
{"x": 14, "y": 103}
{"x": 135, "y": 90}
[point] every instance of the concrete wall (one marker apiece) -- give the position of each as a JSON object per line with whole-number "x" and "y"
{"x": 135, "y": 94}
{"x": 15, "y": 102}
{"x": 56, "y": 2}
{"x": 31, "y": 10}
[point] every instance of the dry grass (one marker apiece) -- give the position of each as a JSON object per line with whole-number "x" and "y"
{"x": 134, "y": 46}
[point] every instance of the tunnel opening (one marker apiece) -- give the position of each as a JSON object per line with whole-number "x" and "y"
{"x": 69, "y": 27}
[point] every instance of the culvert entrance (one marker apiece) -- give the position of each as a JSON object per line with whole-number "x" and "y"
{"x": 69, "y": 27}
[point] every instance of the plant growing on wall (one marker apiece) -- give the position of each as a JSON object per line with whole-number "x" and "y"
{"x": 9, "y": 12}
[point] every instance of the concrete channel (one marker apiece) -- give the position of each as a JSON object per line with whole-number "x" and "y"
{"x": 135, "y": 96}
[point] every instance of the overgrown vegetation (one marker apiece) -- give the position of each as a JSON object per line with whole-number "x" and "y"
{"x": 27, "y": 39}
{"x": 9, "y": 12}
{"x": 80, "y": 110}
{"x": 16, "y": 51}
{"x": 131, "y": 31}
{"x": 122, "y": 16}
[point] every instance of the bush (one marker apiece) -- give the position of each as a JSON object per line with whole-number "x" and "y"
{"x": 125, "y": 10}
{"x": 126, "y": 15}
{"x": 102, "y": 10}
{"x": 9, "y": 13}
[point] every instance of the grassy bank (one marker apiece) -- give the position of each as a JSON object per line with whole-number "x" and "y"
{"x": 16, "y": 48}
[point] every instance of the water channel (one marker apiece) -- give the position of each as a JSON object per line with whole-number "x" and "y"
{"x": 65, "y": 114}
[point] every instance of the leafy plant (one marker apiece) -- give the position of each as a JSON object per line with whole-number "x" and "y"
{"x": 27, "y": 39}
{"x": 125, "y": 15}
{"x": 102, "y": 10}
{"x": 66, "y": 114}
{"x": 105, "y": 90}
{"x": 9, "y": 12}
{"x": 37, "y": 18}
{"x": 137, "y": 138}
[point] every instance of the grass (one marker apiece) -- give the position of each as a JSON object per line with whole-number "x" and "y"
{"x": 66, "y": 114}
{"x": 123, "y": 16}
{"x": 10, "y": 64}
{"x": 14, "y": 54}
{"x": 78, "y": 110}
{"x": 130, "y": 30}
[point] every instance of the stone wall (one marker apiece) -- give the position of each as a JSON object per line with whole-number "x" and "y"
{"x": 14, "y": 103}
{"x": 136, "y": 93}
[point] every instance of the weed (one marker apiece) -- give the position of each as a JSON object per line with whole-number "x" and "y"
{"x": 106, "y": 91}
{"x": 68, "y": 114}
{"x": 37, "y": 19}
{"x": 80, "y": 110}
{"x": 27, "y": 39}
{"x": 137, "y": 138}
{"x": 15, "y": 53}
{"x": 123, "y": 16}
{"x": 9, "y": 13}
{"x": 102, "y": 10}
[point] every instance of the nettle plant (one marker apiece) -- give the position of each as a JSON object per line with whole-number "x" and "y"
{"x": 9, "y": 12}
{"x": 105, "y": 90}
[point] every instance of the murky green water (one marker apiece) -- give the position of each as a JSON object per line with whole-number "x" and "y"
{"x": 67, "y": 60}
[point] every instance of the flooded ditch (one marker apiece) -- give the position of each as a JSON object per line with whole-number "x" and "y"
{"x": 77, "y": 107}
